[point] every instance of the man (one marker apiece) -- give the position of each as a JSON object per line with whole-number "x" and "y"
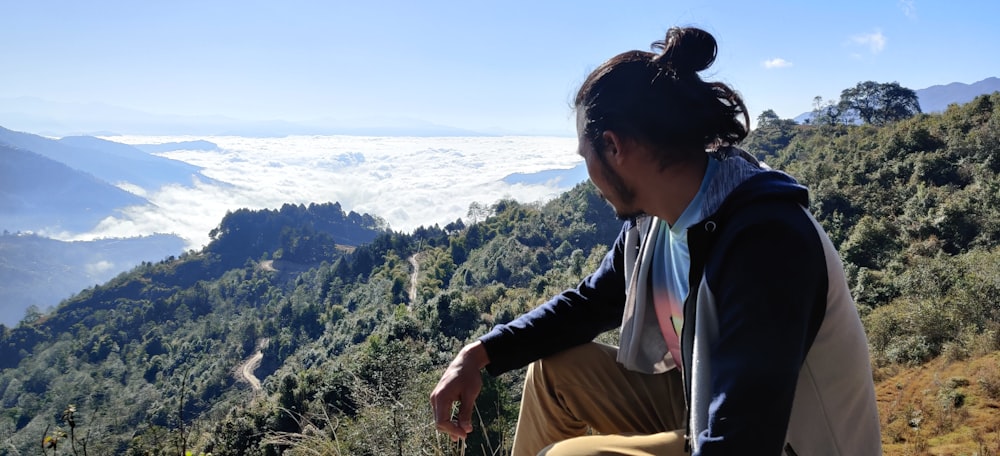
{"x": 738, "y": 333}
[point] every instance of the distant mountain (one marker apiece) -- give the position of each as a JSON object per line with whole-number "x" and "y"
{"x": 562, "y": 178}
{"x": 182, "y": 145}
{"x": 113, "y": 162}
{"x": 41, "y": 272}
{"x": 38, "y": 193}
{"x": 49, "y": 187}
{"x": 937, "y": 98}
{"x": 98, "y": 119}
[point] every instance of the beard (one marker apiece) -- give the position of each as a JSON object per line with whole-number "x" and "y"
{"x": 627, "y": 215}
{"x": 623, "y": 198}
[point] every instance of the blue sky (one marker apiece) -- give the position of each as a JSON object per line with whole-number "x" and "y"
{"x": 508, "y": 65}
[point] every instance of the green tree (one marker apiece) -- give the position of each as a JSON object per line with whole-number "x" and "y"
{"x": 825, "y": 112}
{"x": 871, "y": 243}
{"x": 771, "y": 135}
{"x": 879, "y": 104}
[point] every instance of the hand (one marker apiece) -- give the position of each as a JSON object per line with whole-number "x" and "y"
{"x": 461, "y": 382}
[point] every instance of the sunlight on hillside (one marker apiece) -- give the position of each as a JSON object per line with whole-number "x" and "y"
{"x": 942, "y": 407}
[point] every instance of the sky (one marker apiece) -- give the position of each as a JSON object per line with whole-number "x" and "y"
{"x": 510, "y": 65}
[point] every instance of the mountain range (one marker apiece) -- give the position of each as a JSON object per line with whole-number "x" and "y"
{"x": 937, "y": 98}
{"x": 55, "y": 187}
{"x": 42, "y": 194}
{"x": 112, "y": 162}
{"x": 99, "y": 119}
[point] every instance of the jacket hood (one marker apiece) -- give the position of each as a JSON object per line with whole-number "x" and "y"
{"x": 741, "y": 178}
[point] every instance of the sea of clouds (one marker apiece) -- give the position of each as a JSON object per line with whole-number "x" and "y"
{"x": 408, "y": 181}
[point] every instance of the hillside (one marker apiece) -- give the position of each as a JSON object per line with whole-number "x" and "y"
{"x": 39, "y": 193}
{"x": 199, "y": 316}
{"x": 109, "y": 161}
{"x": 58, "y": 188}
{"x": 41, "y": 272}
{"x": 348, "y": 356}
{"x": 913, "y": 208}
{"x": 943, "y": 407}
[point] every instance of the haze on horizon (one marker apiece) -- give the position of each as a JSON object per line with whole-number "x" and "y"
{"x": 406, "y": 181}
{"x": 494, "y": 67}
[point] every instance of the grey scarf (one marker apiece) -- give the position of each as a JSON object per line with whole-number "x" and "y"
{"x": 642, "y": 346}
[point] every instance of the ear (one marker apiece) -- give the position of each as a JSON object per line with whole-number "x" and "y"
{"x": 614, "y": 146}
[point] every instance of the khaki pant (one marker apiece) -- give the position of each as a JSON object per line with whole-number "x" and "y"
{"x": 582, "y": 402}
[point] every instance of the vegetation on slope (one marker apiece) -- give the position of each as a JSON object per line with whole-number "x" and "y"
{"x": 349, "y": 355}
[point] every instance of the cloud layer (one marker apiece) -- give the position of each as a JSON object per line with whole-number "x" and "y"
{"x": 408, "y": 181}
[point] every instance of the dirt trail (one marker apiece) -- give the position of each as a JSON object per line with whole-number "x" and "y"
{"x": 413, "y": 278}
{"x": 245, "y": 370}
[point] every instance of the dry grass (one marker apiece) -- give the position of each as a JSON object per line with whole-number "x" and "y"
{"x": 942, "y": 407}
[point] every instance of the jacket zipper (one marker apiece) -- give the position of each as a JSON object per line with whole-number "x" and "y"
{"x": 698, "y": 246}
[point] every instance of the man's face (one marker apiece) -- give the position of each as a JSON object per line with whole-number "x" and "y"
{"x": 610, "y": 185}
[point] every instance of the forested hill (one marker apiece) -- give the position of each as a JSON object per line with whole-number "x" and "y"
{"x": 299, "y": 236}
{"x": 305, "y": 234}
{"x": 151, "y": 355}
{"x": 351, "y": 341}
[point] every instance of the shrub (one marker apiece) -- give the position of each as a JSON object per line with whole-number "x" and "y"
{"x": 911, "y": 349}
{"x": 989, "y": 381}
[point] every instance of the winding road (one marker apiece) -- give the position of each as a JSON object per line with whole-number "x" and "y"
{"x": 245, "y": 370}
{"x": 250, "y": 365}
{"x": 413, "y": 279}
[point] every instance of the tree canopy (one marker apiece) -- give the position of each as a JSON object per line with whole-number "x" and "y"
{"x": 879, "y": 104}
{"x": 868, "y": 102}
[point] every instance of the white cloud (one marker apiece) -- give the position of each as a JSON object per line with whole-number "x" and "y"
{"x": 405, "y": 180}
{"x": 776, "y": 63}
{"x": 875, "y": 41}
{"x": 99, "y": 268}
{"x": 132, "y": 188}
{"x": 909, "y": 8}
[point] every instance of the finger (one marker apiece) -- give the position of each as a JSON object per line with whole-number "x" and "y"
{"x": 443, "y": 421}
{"x": 465, "y": 415}
{"x": 453, "y": 431}
{"x": 442, "y": 411}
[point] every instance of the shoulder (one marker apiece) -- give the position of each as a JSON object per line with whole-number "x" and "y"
{"x": 773, "y": 234}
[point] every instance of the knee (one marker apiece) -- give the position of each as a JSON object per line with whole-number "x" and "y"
{"x": 579, "y": 446}
{"x": 574, "y": 366}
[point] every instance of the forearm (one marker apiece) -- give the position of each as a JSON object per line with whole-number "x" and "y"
{"x": 569, "y": 319}
{"x": 475, "y": 354}
{"x": 561, "y": 323}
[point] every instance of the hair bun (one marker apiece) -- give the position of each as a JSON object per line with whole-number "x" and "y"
{"x": 686, "y": 50}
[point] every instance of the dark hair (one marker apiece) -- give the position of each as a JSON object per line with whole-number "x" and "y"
{"x": 661, "y": 100}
